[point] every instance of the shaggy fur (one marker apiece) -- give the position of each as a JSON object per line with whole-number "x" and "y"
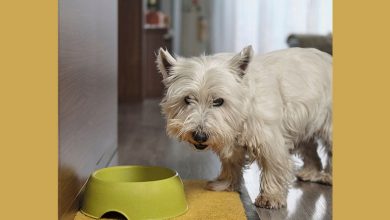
{"x": 273, "y": 105}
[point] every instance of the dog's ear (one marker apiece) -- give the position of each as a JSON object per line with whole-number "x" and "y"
{"x": 242, "y": 59}
{"x": 164, "y": 62}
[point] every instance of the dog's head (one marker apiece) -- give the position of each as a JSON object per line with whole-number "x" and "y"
{"x": 203, "y": 99}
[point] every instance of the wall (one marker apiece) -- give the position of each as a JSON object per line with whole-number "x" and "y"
{"x": 87, "y": 94}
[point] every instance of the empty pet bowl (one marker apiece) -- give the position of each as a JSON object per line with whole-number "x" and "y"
{"x": 136, "y": 192}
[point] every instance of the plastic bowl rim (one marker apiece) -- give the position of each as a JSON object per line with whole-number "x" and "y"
{"x": 93, "y": 176}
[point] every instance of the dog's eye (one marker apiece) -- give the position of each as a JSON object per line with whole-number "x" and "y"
{"x": 218, "y": 102}
{"x": 187, "y": 100}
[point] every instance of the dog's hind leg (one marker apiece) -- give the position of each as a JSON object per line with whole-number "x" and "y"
{"x": 328, "y": 168}
{"x": 312, "y": 167}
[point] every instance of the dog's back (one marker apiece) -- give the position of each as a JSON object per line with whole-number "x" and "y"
{"x": 296, "y": 84}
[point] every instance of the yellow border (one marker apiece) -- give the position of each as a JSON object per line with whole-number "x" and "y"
{"x": 28, "y": 117}
{"x": 28, "y": 112}
{"x": 361, "y": 109}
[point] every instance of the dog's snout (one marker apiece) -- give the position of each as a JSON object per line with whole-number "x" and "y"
{"x": 199, "y": 137}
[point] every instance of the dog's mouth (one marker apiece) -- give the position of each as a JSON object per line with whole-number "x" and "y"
{"x": 200, "y": 146}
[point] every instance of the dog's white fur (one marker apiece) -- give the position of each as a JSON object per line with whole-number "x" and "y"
{"x": 274, "y": 104}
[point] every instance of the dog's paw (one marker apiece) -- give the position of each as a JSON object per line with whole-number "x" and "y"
{"x": 270, "y": 202}
{"x": 326, "y": 179}
{"x": 219, "y": 185}
{"x": 315, "y": 176}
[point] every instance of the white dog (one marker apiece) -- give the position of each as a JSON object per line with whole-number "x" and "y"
{"x": 262, "y": 106}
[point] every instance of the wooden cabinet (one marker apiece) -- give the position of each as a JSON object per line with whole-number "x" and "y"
{"x": 154, "y": 38}
{"x": 130, "y": 50}
{"x": 137, "y": 49}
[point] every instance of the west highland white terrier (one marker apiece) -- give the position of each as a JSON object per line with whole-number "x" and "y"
{"x": 266, "y": 107}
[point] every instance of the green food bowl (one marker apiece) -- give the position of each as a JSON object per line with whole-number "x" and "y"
{"x": 136, "y": 192}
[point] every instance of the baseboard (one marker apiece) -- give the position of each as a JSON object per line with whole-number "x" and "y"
{"x": 103, "y": 161}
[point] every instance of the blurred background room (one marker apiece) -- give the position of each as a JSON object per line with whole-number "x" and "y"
{"x": 194, "y": 27}
{"x": 110, "y": 88}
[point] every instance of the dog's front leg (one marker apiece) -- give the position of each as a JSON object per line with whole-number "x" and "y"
{"x": 230, "y": 177}
{"x": 276, "y": 173}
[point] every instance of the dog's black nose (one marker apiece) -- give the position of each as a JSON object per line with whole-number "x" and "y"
{"x": 199, "y": 137}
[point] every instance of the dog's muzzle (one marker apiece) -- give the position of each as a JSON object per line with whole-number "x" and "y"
{"x": 200, "y": 137}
